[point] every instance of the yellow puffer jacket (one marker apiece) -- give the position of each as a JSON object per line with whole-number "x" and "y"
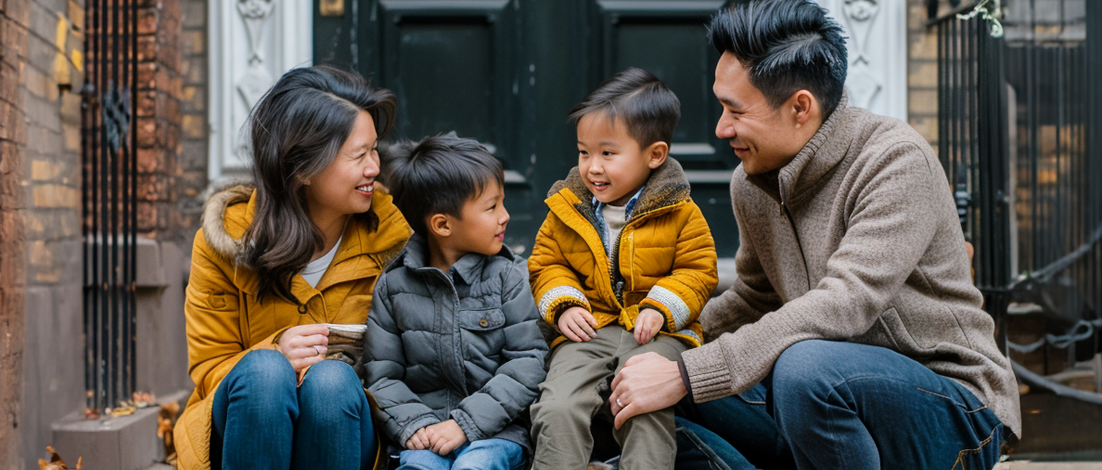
{"x": 665, "y": 260}
{"x": 224, "y": 320}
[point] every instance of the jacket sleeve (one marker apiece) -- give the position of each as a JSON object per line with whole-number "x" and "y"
{"x": 555, "y": 285}
{"x": 515, "y": 385}
{"x": 400, "y": 410}
{"x": 681, "y": 295}
{"x": 887, "y": 234}
{"x": 212, "y": 320}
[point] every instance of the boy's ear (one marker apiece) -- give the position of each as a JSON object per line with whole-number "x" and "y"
{"x": 439, "y": 225}
{"x": 657, "y": 152}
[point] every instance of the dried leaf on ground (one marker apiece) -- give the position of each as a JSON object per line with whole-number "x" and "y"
{"x": 55, "y": 462}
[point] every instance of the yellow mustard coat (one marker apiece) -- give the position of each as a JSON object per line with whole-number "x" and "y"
{"x": 665, "y": 257}
{"x": 224, "y": 320}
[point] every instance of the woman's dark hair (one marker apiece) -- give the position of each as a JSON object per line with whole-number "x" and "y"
{"x": 438, "y": 175}
{"x": 786, "y": 46}
{"x": 648, "y": 109}
{"x": 295, "y": 132}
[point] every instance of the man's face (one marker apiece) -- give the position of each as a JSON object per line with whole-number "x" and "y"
{"x": 764, "y": 138}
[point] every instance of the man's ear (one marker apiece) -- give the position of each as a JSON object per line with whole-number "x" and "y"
{"x": 804, "y": 108}
{"x": 440, "y": 225}
{"x": 657, "y": 153}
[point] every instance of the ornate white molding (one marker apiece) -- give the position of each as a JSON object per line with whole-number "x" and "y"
{"x": 877, "y": 42}
{"x": 251, "y": 41}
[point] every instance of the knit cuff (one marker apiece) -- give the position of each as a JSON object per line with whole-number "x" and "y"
{"x": 685, "y": 377}
{"x": 708, "y": 372}
{"x": 670, "y": 305}
{"x": 558, "y": 299}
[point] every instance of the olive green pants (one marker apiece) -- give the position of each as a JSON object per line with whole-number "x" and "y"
{"x": 569, "y": 399}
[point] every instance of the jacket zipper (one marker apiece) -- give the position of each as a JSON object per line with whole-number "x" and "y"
{"x": 787, "y": 214}
{"x": 615, "y": 277}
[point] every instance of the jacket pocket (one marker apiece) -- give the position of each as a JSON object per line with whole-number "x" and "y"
{"x": 482, "y": 319}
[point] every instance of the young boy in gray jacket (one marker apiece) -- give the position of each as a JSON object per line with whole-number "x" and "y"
{"x": 453, "y": 351}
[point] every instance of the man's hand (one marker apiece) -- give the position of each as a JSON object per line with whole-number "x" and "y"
{"x": 446, "y": 436}
{"x": 419, "y": 440}
{"x": 304, "y": 345}
{"x": 577, "y": 324}
{"x": 648, "y": 382}
{"x": 647, "y": 324}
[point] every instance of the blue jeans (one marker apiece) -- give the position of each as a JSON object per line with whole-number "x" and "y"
{"x": 841, "y": 405}
{"x": 485, "y": 454}
{"x": 261, "y": 419}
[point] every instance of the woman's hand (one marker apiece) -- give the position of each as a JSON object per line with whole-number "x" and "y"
{"x": 577, "y": 324}
{"x": 304, "y": 345}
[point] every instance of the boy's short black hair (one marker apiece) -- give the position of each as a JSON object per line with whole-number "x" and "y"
{"x": 786, "y": 46}
{"x": 648, "y": 108}
{"x": 438, "y": 175}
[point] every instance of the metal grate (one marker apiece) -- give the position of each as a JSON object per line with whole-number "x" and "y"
{"x": 109, "y": 192}
{"x": 972, "y": 145}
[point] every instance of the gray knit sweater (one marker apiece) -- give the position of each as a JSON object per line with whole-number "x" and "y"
{"x": 857, "y": 239}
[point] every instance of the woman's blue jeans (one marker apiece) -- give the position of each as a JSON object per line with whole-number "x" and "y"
{"x": 835, "y": 405}
{"x": 263, "y": 420}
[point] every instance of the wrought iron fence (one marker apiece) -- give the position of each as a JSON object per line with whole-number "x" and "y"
{"x": 1019, "y": 131}
{"x": 972, "y": 144}
{"x": 109, "y": 199}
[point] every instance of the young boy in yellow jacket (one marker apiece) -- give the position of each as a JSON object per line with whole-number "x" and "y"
{"x": 622, "y": 266}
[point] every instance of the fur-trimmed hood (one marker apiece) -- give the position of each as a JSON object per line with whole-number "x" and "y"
{"x": 214, "y": 215}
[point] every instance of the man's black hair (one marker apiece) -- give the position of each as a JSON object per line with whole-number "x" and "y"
{"x": 785, "y": 46}
{"x": 648, "y": 109}
{"x": 438, "y": 175}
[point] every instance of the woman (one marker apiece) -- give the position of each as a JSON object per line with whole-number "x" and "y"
{"x": 272, "y": 265}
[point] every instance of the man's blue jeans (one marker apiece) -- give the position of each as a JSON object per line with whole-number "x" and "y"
{"x": 485, "y": 454}
{"x": 836, "y": 405}
{"x": 263, "y": 420}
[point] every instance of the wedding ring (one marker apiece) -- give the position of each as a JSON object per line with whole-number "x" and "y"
{"x": 621, "y": 405}
{"x": 316, "y": 350}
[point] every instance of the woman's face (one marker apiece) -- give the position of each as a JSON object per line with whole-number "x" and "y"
{"x": 346, "y": 185}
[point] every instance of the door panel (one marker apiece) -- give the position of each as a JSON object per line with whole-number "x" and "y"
{"x": 507, "y": 72}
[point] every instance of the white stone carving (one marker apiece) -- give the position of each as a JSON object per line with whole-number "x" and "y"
{"x": 251, "y": 41}
{"x": 877, "y": 40}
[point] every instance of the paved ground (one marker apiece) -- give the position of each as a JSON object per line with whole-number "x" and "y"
{"x": 1026, "y": 465}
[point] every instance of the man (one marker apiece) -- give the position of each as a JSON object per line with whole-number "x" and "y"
{"x": 852, "y": 336}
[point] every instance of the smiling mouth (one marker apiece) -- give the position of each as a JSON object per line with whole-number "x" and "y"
{"x": 367, "y": 188}
{"x": 600, "y": 186}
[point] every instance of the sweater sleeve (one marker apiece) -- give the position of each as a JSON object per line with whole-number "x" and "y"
{"x": 400, "y": 410}
{"x": 886, "y": 237}
{"x": 515, "y": 384}
{"x": 555, "y": 285}
{"x": 681, "y": 295}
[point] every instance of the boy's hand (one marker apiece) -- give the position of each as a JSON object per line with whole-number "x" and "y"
{"x": 647, "y": 325}
{"x": 419, "y": 440}
{"x": 446, "y": 436}
{"x": 577, "y": 324}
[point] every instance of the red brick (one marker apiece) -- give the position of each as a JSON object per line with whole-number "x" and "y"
{"x": 150, "y": 159}
{"x": 147, "y": 48}
{"x": 147, "y": 21}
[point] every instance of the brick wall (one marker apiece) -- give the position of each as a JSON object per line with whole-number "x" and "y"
{"x": 195, "y": 126}
{"x": 12, "y": 140}
{"x": 40, "y": 254}
{"x": 160, "y": 92}
{"x": 921, "y": 72}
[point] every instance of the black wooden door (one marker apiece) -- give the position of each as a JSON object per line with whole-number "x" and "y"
{"x": 506, "y": 72}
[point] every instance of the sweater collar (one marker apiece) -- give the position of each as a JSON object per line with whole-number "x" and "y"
{"x": 814, "y": 161}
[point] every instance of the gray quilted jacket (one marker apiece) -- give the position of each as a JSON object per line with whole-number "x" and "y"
{"x": 469, "y": 349}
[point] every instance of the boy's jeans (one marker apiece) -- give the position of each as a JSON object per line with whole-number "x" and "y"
{"x": 261, "y": 419}
{"x": 485, "y": 454}
{"x": 841, "y": 405}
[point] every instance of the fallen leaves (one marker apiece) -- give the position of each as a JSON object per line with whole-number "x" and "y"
{"x": 55, "y": 462}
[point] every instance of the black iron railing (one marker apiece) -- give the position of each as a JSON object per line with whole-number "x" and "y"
{"x": 109, "y": 200}
{"x": 972, "y": 144}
